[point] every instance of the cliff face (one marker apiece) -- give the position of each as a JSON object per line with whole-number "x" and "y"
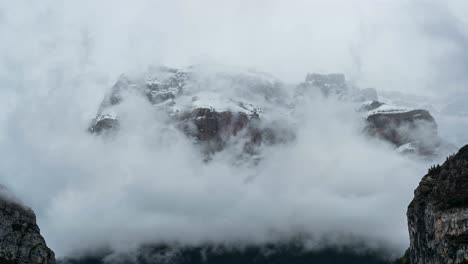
{"x": 20, "y": 238}
{"x": 408, "y": 130}
{"x": 438, "y": 214}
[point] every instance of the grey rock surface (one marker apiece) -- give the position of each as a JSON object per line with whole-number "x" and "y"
{"x": 438, "y": 214}
{"x": 20, "y": 238}
{"x": 416, "y": 127}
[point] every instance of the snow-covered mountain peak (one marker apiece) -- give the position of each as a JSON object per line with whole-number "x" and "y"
{"x": 212, "y": 104}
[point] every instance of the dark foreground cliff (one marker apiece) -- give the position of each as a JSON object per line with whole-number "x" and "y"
{"x": 438, "y": 215}
{"x": 20, "y": 238}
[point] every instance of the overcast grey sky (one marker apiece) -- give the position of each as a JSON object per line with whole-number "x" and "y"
{"x": 396, "y": 45}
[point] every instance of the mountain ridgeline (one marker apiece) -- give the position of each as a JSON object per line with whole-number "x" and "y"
{"x": 198, "y": 103}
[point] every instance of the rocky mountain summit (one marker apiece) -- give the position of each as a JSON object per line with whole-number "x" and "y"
{"x": 213, "y": 106}
{"x": 208, "y": 108}
{"x": 438, "y": 214}
{"x": 20, "y": 238}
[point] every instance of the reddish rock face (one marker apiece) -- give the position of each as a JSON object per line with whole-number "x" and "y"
{"x": 210, "y": 124}
{"x": 215, "y": 128}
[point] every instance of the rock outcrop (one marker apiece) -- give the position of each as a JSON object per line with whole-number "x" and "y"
{"x": 438, "y": 214}
{"x": 410, "y": 130}
{"x": 20, "y": 238}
